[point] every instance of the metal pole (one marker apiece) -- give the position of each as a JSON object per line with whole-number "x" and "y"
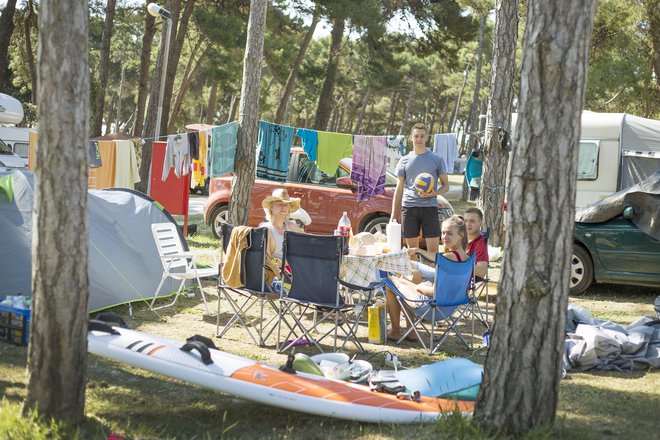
{"x": 166, "y": 50}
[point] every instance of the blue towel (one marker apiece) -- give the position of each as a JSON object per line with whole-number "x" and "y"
{"x": 274, "y": 148}
{"x": 223, "y": 149}
{"x": 310, "y": 140}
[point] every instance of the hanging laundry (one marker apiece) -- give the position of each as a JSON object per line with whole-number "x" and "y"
{"x": 332, "y": 148}
{"x": 274, "y": 147}
{"x": 444, "y": 145}
{"x": 199, "y": 166}
{"x": 193, "y": 142}
{"x": 398, "y": 143}
{"x": 126, "y": 170}
{"x": 177, "y": 155}
{"x": 368, "y": 168}
{"x": 94, "y": 155}
{"x": 104, "y": 176}
{"x": 223, "y": 149}
{"x": 310, "y": 140}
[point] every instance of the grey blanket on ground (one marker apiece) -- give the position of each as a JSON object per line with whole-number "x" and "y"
{"x": 603, "y": 345}
{"x": 644, "y": 198}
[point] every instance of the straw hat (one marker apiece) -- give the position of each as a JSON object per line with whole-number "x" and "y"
{"x": 281, "y": 195}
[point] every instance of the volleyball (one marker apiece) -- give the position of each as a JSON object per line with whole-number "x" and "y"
{"x": 424, "y": 183}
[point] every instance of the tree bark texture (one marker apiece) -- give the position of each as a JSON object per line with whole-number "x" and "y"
{"x": 523, "y": 367}
{"x": 28, "y": 24}
{"x": 498, "y": 117}
{"x": 409, "y": 101}
{"x": 213, "y": 98}
{"x": 104, "y": 64}
{"x": 295, "y": 69}
{"x": 6, "y": 30}
{"x": 472, "y": 124}
{"x": 652, "y": 9}
{"x": 149, "y": 127}
{"x": 143, "y": 82}
{"x": 326, "y": 99}
{"x": 248, "y": 118}
{"x": 179, "y": 30}
{"x": 57, "y": 354}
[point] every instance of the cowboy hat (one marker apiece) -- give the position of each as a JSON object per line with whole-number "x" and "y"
{"x": 281, "y": 195}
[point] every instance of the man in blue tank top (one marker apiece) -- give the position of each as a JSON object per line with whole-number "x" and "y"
{"x": 419, "y": 210}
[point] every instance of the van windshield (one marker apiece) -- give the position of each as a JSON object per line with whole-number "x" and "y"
{"x": 4, "y": 149}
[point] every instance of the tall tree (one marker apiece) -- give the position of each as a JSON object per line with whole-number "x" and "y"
{"x": 57, "y": 353}
{"x": 248, "y": 119}
{"x": 6, "y": 30}
{"x": 145, "y": 61}
{"x": 28, "y": 23}
{"x": 652, "y": 9}
{"x": 519, "y": 392}
{"x": 295, "y": 68}
{"x": 498, "y": 117}
{"x": 104, "y": 65}
{"x": 326, "y": 98}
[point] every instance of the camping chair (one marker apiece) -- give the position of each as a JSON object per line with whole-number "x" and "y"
{"x": 253, "y": 292}
{"x": 450, "y": 301}
{"x": 480, "y": 287}
{"x": 177, "y": 263}
{"x": 315, "y": 286}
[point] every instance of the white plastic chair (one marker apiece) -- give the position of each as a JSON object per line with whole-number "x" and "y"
{"x": 177, "y": 263}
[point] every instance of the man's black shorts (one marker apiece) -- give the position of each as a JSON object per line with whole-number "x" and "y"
{"x": 415, "y": 217}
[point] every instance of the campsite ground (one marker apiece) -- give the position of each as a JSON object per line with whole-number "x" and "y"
{"x": 139, "y": 404}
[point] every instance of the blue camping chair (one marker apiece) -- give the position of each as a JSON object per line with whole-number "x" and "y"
{"x": 450, "y": 301}
{"x": 315, "y": 261}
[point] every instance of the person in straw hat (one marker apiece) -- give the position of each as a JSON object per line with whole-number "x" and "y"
{"x": 279, "y": 207}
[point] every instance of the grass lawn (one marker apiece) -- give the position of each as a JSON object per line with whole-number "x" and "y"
{"x": 139, "y": 404}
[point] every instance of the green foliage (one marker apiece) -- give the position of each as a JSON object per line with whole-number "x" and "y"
{"x": 16, "y": 427}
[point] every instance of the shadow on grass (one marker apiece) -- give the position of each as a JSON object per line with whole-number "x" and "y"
{"x": 616, "y": 413}
{"x": 616, "y": 292}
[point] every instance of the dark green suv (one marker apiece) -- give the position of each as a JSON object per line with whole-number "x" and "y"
{"x": 617, "y": 240}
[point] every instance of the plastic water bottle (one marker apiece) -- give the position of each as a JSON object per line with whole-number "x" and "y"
{"x": 393, "y": 232}
{"x": 344, "y": 226}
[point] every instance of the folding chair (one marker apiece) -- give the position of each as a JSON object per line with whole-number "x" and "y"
{"x": 315, "y": 261}
{"x": 450, "y": 301}
{"x": 480, "y": 287}
{"x": 177, "y": 263}
{"x": 254, "y": 292}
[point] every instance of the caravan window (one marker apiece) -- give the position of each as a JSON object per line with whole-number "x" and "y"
{"x": 588, "y": 161}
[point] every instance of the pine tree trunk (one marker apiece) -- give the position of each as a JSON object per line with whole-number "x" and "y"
{"x": 363, "y": 108}
{"x": 409, "y": 101}
{"x": 6, "y": 30}
{"x": 498, "y": 122}
{"x": 28, "y": 24}
{"x": 145, "y": 61}
{"x": 232, "y": 108}
{"x": 189, "y": 74}
{"x": 523, "y": 367}
{"x": 474, "y": 108}
{"x": 179, "y": 31}
{"x": 652, "y": 9}
{"x": 394, "y": 101}
{"x": 57, "y": 353}
{"x": 295, "y": 68}
{"x": 326, "y": 99}
{"x": 248, "y": 119}
{"x": 104, "y": 63}
{"x": 213, "y": 98}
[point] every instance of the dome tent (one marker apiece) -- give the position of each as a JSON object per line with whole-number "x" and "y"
{"x": 124, "y": 265}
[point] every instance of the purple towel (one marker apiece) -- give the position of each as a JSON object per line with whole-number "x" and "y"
{"x": 369, "y": 162}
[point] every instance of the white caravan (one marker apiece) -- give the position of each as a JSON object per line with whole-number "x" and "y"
{"x": 617, "y": 150}
{"x": 16, "y": 139}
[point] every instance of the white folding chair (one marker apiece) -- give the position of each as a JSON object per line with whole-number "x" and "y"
{"x": 178, "y": 263}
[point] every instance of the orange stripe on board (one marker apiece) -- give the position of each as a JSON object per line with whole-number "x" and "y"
{"x": 343, "y": 391}
{"x": 152, "y": 351}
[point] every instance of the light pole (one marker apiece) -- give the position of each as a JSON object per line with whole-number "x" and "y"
{"x": 156, "y": 11}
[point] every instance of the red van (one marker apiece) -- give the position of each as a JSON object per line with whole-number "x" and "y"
{"x": 324, "y": 198}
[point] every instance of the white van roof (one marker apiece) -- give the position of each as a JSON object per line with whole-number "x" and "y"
{"x": 11, "y": 110}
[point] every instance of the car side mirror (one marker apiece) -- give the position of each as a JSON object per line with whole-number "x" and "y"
{"x": 628, "y": 212}
{"x": 345, "y": 182}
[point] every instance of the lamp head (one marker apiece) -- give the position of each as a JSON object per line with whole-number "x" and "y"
{"x": 156, "y": 10}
